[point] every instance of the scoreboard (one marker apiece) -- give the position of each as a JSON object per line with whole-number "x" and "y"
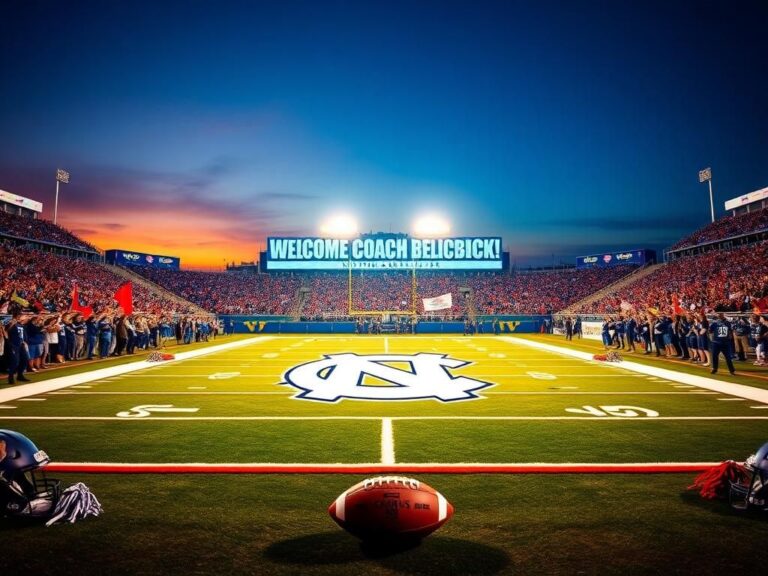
{"x": 384, "y": 252}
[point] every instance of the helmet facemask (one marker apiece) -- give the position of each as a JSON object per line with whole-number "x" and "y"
{"x": 752, "y": 493}
{"x": 25, "y": 490}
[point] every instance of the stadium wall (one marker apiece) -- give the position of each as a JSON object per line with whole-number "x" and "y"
{"x": 283, "y": 325}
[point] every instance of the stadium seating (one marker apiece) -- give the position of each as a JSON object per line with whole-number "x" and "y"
{"x": 716, "y": 280}
{"x": 46, "y": 281}
{"x": 227, "y": 292}
{"x": 40, "y": 230}
{"x": 726, "y": 227}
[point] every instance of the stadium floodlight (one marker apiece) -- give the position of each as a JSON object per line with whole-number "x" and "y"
{"x": 431, "y": 226}
{"x": 706, "y": 176}
{"x": 61, "y": 176}
{"x": 339, "y": 226}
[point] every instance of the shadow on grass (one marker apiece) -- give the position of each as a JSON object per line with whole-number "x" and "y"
{"x": 721, "y": 507}
{"x": 434, "y": 555}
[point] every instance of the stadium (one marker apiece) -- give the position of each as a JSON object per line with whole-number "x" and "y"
{"x": 166, "y": 410}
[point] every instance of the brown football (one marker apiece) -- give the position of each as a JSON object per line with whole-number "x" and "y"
{"x": 390, "y": 507}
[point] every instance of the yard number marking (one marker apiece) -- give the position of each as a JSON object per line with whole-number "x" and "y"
{"x": 223, "y": 375}
{"x": 541, "y": 375}
{"x": 625, "y": 411}
{"x": 147, "y": 409}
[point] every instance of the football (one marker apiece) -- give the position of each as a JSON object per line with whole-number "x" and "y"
{"x": 390, "y": 507}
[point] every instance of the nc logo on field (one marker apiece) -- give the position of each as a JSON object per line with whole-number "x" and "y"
{"x": 383, "y": 377}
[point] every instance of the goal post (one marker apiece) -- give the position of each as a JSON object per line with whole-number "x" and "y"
{"x": 359, "y": 275}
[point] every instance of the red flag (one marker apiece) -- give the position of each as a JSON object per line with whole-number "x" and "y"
{"x": 84, "y": 310}
{"x": 676, "y": 309}
{"x": 124, "y": 297}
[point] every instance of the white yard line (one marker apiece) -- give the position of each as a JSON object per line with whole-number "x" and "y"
{"x": 26, "y": 390}
{"x": 187, "y": 393}
{"x": 740, "y": 390}
{"x": 403, "y": 465}
{"x": 387, "y": 442}
{"x": 290, "y": 392}
{"x": 378, "y": 418}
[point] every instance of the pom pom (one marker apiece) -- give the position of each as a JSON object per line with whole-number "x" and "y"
{"x": 715, "y": 482}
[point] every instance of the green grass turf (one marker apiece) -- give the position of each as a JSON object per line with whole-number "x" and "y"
{"x": 277, "y": 524}
{"x": 562, "y": 524}
{"x": 746, "y": 372}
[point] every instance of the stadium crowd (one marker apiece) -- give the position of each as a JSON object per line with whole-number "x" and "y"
{"x": 718, "y": 281}
{"x": 539, "y": 292}
{"x": 726, "y": 227}
{"x": 229, "y": 292}
{"x": 46, "y": 281}
{"x": 41, "y": 230}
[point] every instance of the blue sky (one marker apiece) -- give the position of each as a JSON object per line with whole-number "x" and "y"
{"x": 199, "y": 128}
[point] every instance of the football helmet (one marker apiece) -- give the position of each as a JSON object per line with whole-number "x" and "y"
{"x": 753, "y": 492}
{"x": 25, "y": 491}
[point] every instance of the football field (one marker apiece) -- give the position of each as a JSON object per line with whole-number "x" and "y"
{"x": 303, "y": 417}
{"x": 383, "y": 400}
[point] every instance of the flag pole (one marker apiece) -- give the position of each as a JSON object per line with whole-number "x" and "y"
{"x": 711, "y": 201}
{"x": 56, "y": 203}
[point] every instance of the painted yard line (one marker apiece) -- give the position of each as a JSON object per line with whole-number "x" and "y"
{"x": 290, "y": 392}
{"x": 463, "y": 373}
{"x": 31, "y": 399}
{"x": 763, "y": 407}
{"x": 187, "y": 393}
{"x": 26, "y": 390}
{"x": 387, "y": 442}
{"x": 741, "y": 390}
{"x": 6, "y": 407}
{"x": 566, "y": 393}
{"x": 377, "y": 418}
{"x": 730, "y": 399}
{"x": 381, "y": 468}
{"x": 272, "y": 376}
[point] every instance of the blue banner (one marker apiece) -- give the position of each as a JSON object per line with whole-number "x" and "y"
{"x": 278, "y": 325}
{"x": 639, "y": 257}
{"x": 128, "y": 258}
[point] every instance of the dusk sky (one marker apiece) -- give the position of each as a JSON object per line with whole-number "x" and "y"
{"x": 196, "y": 129}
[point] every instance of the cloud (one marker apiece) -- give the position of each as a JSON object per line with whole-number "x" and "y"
{"x": 112, "y": 226}
{"x": 84, "y": 231}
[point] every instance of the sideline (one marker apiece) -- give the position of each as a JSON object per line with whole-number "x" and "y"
{"x": 469, "y": 468}
{"x": 740, "y": 390}
{"x": 35, "y": 388}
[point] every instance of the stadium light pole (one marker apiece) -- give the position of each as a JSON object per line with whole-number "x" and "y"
{"x": 706, "y": 176}
{"x": 61, "y": 176}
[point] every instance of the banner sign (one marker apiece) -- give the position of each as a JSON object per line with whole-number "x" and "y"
{"x": 384, "y": 252}
{"x": 755, "y": 196}
{"x": 126, "y": 258}
{"x": 616, "y": 258}
{"x": 442, "y": 302}
{"x": 17, "y": 200}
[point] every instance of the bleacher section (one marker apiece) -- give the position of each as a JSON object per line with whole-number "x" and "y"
{"x": 718, "y": 280}
{"x": 46, "y": 281}
{"x": 726, "y": 227}
{"x": 228, "y": 292}
{"x": 39, "y": 230}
